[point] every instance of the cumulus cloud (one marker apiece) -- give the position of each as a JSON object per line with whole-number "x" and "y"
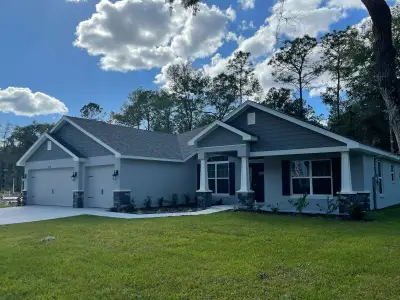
{"x": 23, "y": 102}
{"x": 247, "y": 4}
{"x": 141, "y": 34}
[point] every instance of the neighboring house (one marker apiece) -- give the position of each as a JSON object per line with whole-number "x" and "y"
{"x": 254, "y": 153}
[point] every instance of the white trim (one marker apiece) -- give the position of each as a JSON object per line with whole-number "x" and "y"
{"x": 214, "y": 125}
{"x": 49, "y": 145}
{"x": 299, "y": 151}
{"x": 375, "y": 151}
{"x": 91, "y": 136}
{"x": 38, "y": 143}
{"x": 122, "y": 190}
{"x": 150, "y": 158}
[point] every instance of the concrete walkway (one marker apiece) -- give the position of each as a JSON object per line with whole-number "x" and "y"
{"x": 33, "y": 213}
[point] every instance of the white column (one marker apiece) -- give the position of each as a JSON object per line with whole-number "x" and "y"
{"x": 347, "y": 186}
{"x": 244, "y": 176}
{"x": 203, "y": 176}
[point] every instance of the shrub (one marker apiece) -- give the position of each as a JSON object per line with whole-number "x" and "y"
{"x": 187, "y": 199}
{"x": 115, "y": 209}
{"x": 332, "y": 205}
{"x": 19, "y": 202}
{"x": 356, "y": 210}
{"x": 161, "y": 202}
{"x": 131, "y": 207}
{"x": 275, "y": 208}
{"x": 300, "y": 204}
{"x": 174, "y": 201}
{"x": 147, "y": 202}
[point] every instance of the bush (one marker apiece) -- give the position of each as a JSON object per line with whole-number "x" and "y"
{"x": 301, "y": 203}
{"x": 275, "y": 208}
{"x": 174, "y": 201}
{"x": 19, "y": 202}
{"x": 356, "y": 210}
{"x": 332, "y": 206}
{"x": 187, "y": 199}
{"x": 130, "y": 208}
{"x": 147, "y": 202}
{"x": 161, "y": 202}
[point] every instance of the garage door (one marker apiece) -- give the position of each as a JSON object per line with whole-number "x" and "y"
{"x": 99, "y": 186}
{"x": 51, "y": 187}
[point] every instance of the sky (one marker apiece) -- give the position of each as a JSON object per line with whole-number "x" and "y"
{"x": 58, "y": 55}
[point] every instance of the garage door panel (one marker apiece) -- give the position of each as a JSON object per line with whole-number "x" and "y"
{"x": 99, "y": 191}
{"x": 51, "y": 187}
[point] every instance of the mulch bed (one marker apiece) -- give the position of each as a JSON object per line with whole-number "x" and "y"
{"x": 163, "y": 210}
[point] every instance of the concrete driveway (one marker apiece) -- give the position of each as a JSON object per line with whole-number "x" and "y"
{"x": 32, "y": 213}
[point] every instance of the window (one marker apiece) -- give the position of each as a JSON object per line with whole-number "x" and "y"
{"x": 251, "y": 118}
{"x": 48, "y": 145}
{"x": 393, "y": 173}
{"x": 218, "y": 175}
{"x": 312, "y": 177}
{"x": 379, "y": 176}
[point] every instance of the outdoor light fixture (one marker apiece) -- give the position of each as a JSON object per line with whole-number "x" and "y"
{"x": 115, "y": 174}
{"x": 23, "y": 176}
{"x": 74, "y": 175}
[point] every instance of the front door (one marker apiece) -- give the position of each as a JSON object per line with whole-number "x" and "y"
{"x": 257, "y": 181}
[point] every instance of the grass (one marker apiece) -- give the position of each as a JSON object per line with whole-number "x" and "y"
{"x": 227, "y": 255}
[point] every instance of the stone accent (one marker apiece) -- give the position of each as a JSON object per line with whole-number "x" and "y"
{"x": 24, "y": 198}
{"x": 122, "y": 198}
{"x": 246, "y": 200}
{"x": 78, "y": 201}
{"x": 346, "y": 199}
{"x": 204, "y": 199}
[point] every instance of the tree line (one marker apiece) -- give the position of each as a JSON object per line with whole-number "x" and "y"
{"x": 192, "y": 99}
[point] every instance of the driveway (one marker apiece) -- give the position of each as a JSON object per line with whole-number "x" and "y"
{"x": 32, "y": 213}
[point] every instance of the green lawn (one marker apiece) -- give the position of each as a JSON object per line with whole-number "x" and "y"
{"x": 205, "y": 257}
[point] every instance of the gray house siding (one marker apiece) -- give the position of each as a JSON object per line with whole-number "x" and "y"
{"x": 278, "y": 134}
{"x": 43, "y": 154}
{"x": 83, "y": 144}
{"x": 158, "y": 179}
{"x": 220, "y": 137}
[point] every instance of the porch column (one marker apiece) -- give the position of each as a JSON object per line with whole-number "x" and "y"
{"x": 347, "y": 186}
{"x": 245, "y": 194}
{"x": 203, "y": 194}
{"x": 244, "y": 176}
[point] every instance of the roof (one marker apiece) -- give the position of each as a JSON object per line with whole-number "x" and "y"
{"x": 128, "y": 141}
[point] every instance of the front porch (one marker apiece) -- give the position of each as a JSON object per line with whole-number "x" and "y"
{"x": 237, "y": 176}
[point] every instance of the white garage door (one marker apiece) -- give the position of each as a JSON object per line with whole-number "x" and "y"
{"x": 51, "y": 187}
{"x": 99, "y": 192}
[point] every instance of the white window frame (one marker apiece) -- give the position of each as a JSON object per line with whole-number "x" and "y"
{"x": 393, "y": 172}
{"x": 251, "y": 118}
{"x": 48, "y": 145}
{"x": 379, "y": 176}
{"x": 310, "y": 177}
{"x": 215, "y": 163}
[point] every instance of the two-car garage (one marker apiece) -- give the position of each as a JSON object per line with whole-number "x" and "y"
{"x": 54, "y": 186}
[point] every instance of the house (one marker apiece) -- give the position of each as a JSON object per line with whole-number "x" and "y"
{"x": 254, "y": 154}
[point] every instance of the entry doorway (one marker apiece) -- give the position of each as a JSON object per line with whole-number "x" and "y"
{"x": 257, "y": 181}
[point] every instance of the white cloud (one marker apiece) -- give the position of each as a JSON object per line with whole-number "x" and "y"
{"x": 23, "y": 102}
{"x": 231, "y": 14}
{"x": 141, "y": 34}
{"x": 247, "y": 4}
{"x": 346, "y": 4}
{"x": 245, "y": 26}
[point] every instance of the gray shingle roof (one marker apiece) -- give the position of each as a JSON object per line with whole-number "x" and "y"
{"x": 137, "y": 142}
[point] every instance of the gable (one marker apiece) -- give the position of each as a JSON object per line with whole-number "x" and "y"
{"x": 275, "y": 133}
{"x": 220, "y": 137}
{"x": 74, "y": 138}
{"x": 42, "y": 154}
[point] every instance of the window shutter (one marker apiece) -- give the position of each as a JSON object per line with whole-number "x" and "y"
{"x": 232, "y": 173}
{"x": 286, "y": 177}
{"x": 337, "y": 175}
{"x": 198, "y": 176}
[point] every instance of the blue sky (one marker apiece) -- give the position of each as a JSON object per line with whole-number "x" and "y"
{"x": 131, "y": 40}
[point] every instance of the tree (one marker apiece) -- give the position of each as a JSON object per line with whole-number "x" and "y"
{"x": 336, "y": 49}
{"x": 92, "y": 111}
{"x": 222, "y": 96}
{"x": 188, "y": 86}
{"x": 241, "y": 71}
{"x": 294, "y": 65}
{"x": 164, "y": 107}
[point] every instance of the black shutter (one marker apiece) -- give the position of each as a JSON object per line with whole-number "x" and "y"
{"x": 337, "y": 175}
{"x": 198, "y": 176}
{"x": 286, "y": 177}
{"x": 232, "y": 173}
